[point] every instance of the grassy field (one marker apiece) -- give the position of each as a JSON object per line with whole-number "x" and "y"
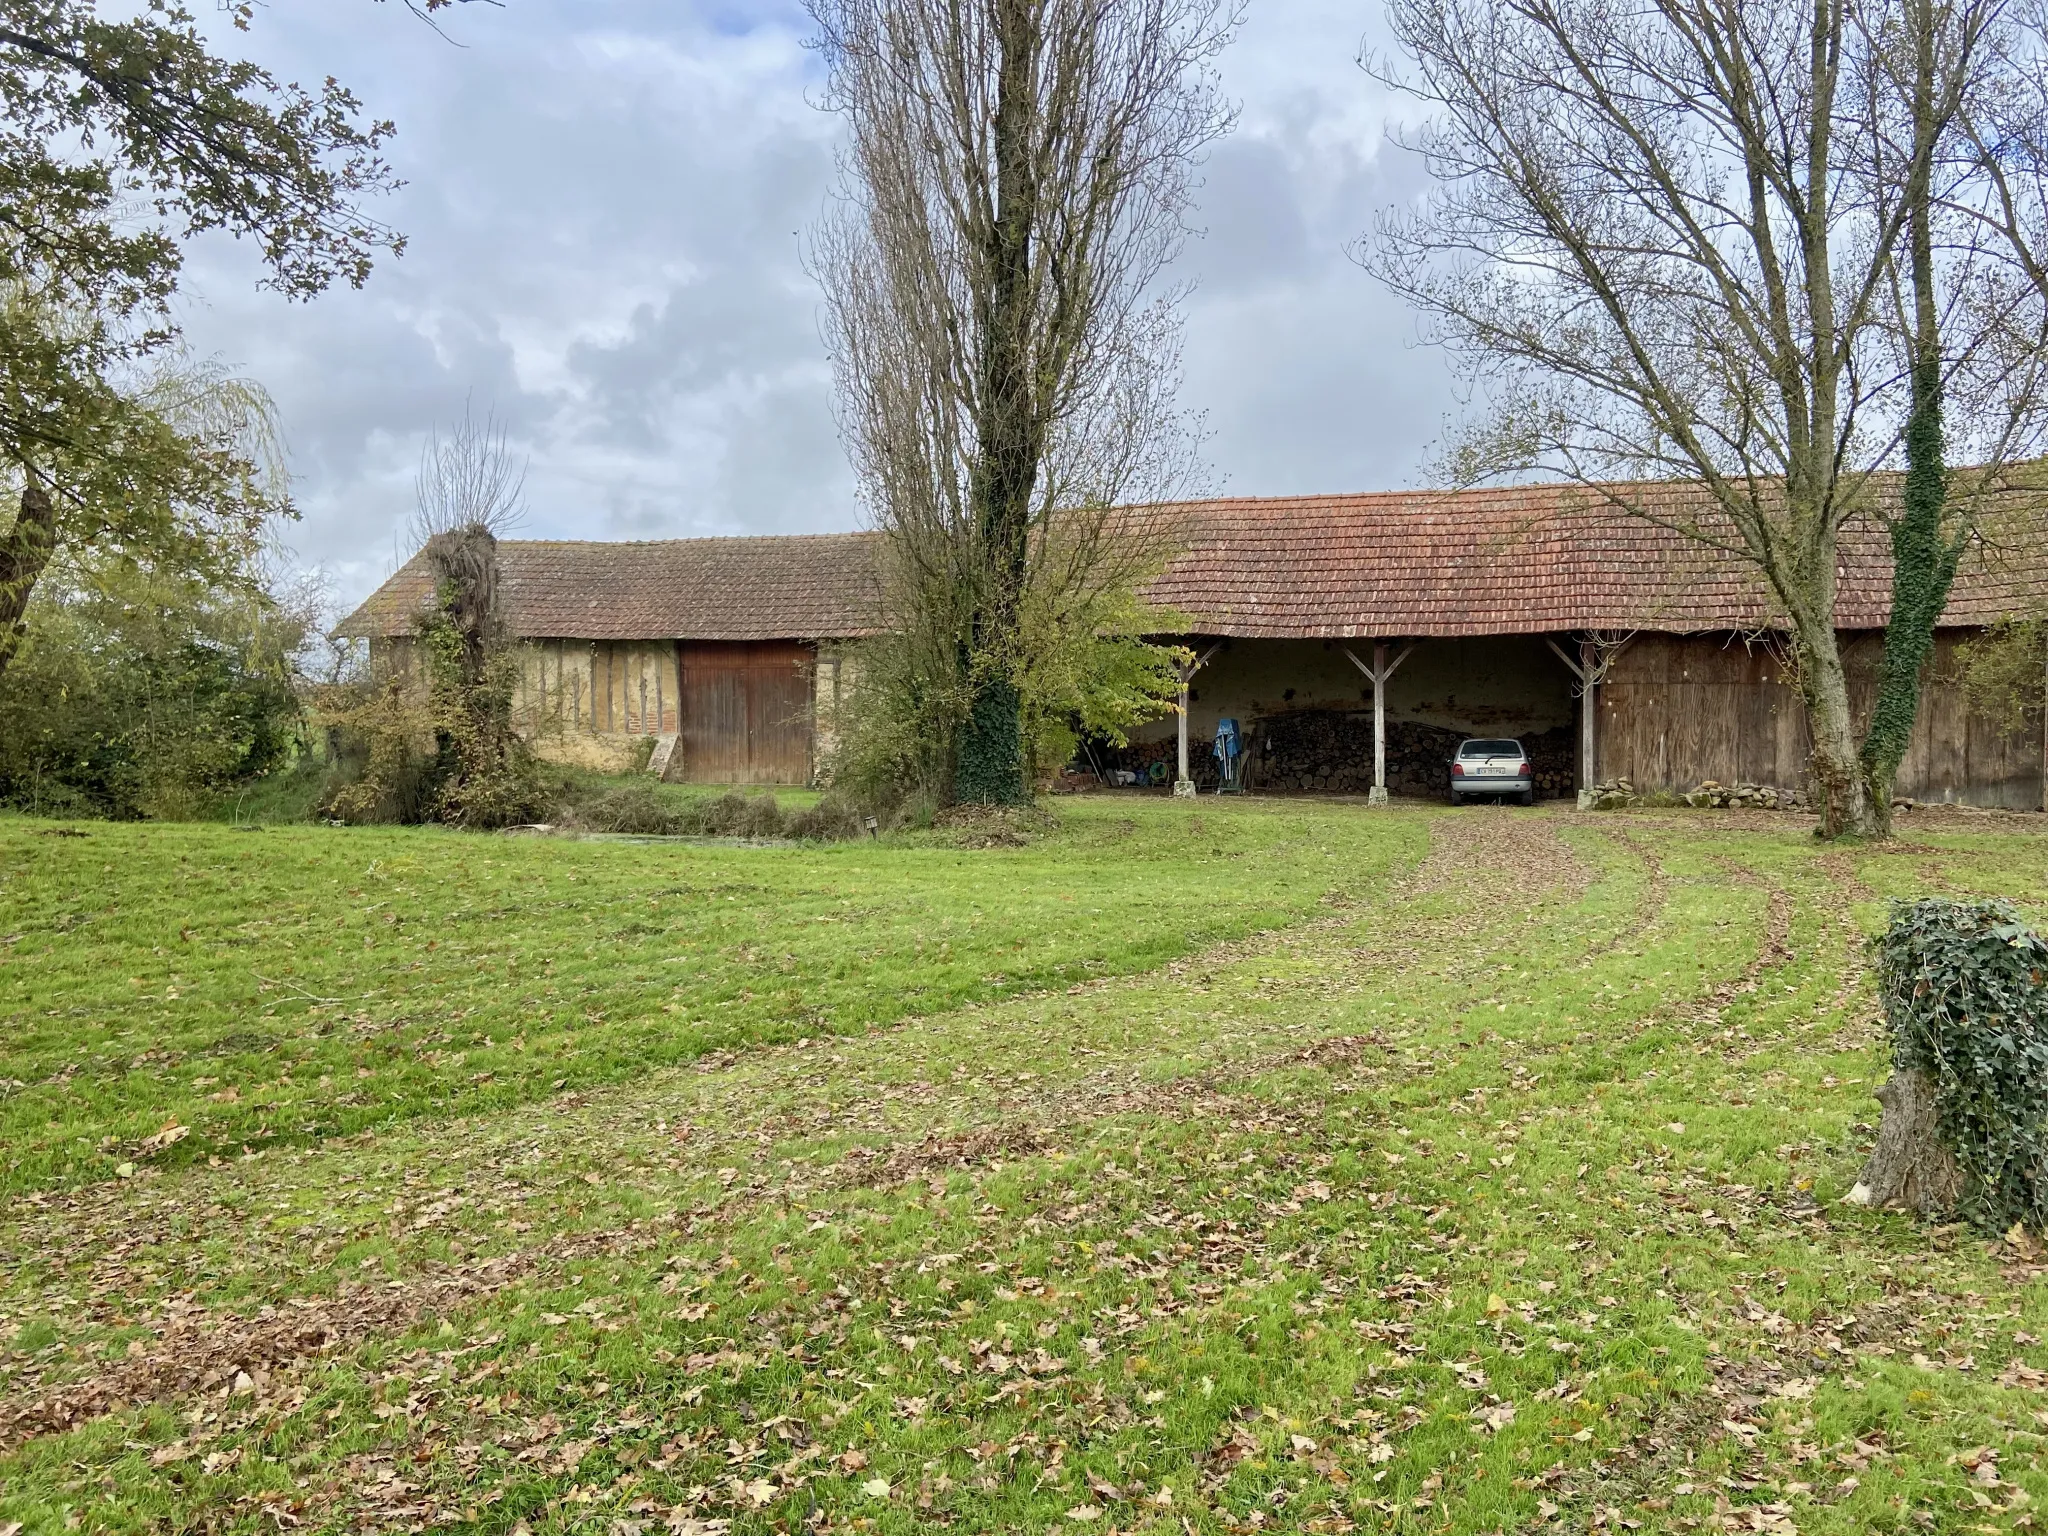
{"x": 1246, "y": 1166}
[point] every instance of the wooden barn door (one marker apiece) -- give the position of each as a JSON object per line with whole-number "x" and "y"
{"x": 746, "y": 716}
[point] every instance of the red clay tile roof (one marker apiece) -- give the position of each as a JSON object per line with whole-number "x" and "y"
{"x": 792, "y": 587}
{"x": 1513, "y": 560}
{"x": 1517, "y": 560}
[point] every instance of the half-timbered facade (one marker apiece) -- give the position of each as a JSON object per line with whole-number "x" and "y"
{"x": 705, "y": 656}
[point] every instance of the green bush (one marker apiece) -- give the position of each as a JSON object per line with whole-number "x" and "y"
{"x": 1080, "y": 668}
{"x": 1965, "y": 989}
{"x": 2000, "y": 671}
{"x": 136, "y": 695}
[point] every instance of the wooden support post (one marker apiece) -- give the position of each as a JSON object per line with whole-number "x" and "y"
{"x": 1597, "y": 653}
{"x": 1183, "y": 784}
{"x": 1378, "y": 673}
{"x": 1379, "y": 724}
{"x": 1589, "y": 720}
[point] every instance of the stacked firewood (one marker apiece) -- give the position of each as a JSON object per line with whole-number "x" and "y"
{"x": 1331, "y": 751}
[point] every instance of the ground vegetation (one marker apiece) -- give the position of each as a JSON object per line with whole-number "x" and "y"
{"x": 1253, "y": 1165}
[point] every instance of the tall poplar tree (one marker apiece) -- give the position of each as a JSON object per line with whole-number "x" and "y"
{"x": 1015, "y": 178}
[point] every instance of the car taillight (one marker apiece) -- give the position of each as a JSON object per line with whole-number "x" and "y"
{"x": 1457, "y": 770}
{"x": 1521, "y": 770}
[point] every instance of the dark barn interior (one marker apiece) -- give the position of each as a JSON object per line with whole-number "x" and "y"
{"x": 1305, "y": 709}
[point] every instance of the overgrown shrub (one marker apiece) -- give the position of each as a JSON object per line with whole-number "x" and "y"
{"x": 378, "y": 739}
{"x": 2001, "y": 671}
{"x": 637, "y": 808}
{"x": 1083, "y": 669}
{"x": 438, "y": 744}
{"x": 138, "y": 695}
{"x": 1965, "y": 989}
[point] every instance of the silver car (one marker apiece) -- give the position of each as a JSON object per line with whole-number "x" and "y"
{"x": 1491, "y": 766}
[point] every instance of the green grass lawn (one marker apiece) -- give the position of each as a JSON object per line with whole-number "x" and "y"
{"x": 284, "y": 986}
{"x": 1262, "y": 1165}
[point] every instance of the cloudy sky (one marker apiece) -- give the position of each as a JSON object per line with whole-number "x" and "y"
{"x": 606, "y": 202}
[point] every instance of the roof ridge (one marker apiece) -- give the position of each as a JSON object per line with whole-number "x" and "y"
{"x": 695, "y": 538}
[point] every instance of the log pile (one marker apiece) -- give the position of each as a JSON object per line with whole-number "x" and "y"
{"x": 1331, "y": 751}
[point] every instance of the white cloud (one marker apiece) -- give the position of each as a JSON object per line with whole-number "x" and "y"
{"x": 605, "y": 202}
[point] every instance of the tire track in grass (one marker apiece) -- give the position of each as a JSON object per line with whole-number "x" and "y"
{"x": 1208, "y": 1113}
{"x": 1187, "y": 1318}
{"x": 207, "y": 1354}
{"x": 127, "y": 1218}
{"x": 208, "y": 1350}
{"x": 202, "y": 1351}
{"x": 1774, "y": 954}
{"x": 1656, "y": 896}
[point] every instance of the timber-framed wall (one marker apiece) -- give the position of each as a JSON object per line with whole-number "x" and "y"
{"x": 1430, "y": 613}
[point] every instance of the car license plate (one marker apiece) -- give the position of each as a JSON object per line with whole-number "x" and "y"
{"x": 1496, "y": 769}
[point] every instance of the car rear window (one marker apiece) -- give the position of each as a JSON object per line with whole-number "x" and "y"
{"x": 1491, "y": 749}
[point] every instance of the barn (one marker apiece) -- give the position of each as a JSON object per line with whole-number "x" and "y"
{"x": 1341, "y": 632}
{"x": 716, "y": 649}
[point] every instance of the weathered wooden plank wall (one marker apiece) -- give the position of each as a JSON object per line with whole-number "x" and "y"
{"x": 1681, "y": 708}
{"x": 748, "y": 711}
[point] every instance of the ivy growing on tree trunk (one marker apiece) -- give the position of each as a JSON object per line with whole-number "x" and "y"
{"x": 1772, "y": 249}
{"x": 1925, "y": 549}
{"x": 1015, "y": 179}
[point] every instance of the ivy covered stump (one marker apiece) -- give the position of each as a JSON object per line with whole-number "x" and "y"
{"x": 1911, "y": 1167}
{"x": 1965, "y": 1126}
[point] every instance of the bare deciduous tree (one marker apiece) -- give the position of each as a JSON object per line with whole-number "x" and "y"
{"x": 468, "y": 478}
{"x": 1747, "y": 244}
{"x": 1016, "y": 177}
{"x": 467, "y": 492}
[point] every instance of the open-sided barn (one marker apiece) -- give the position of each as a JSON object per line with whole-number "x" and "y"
{"x": 1480, "y": 612}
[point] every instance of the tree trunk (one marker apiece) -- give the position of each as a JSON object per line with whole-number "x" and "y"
{"x": 1841, "y": 790}
{"x": 989, "y": 748}
{"x": 1910, "y": 1168}
{"x": 1923, "y": 556}
{"x": 25, "y": 551}
{"x": 988, "y": 768}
